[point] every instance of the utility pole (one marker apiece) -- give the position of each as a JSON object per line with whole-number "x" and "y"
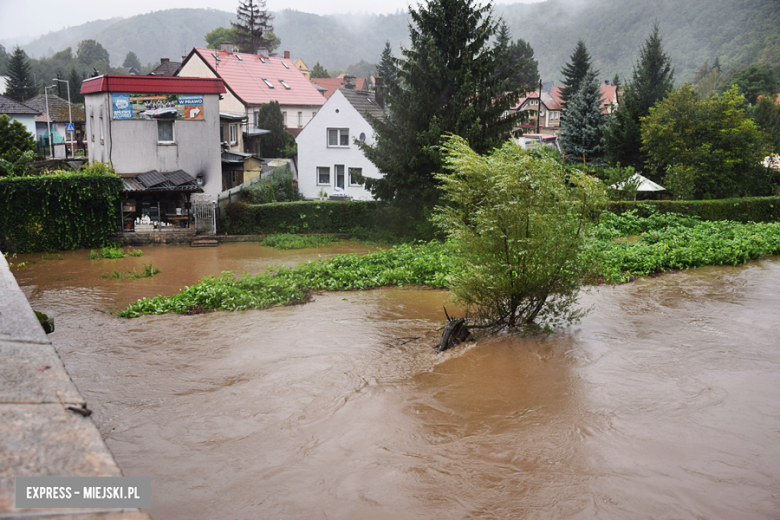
{"x": 539, "y": 107}
{"x": 70, "y": 115}
{"x": 48, "y": 118}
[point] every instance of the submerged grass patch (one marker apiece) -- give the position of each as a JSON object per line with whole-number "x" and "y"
{"x": 423, "y": 264}
{"x": 660, "y": 242}
{"x": 288, "y": 241}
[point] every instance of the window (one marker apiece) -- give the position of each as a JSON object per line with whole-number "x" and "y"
{"x": 164, "y": 131}
{"x": 340, "y": 175}
{"x": 285, "y": 66}
{"x": 284, "y": 119}
{"x": 285, "y": 85}
{"x": 233, "y": 133}
{"x": 215, "y": 56}
{"x": 257, "y": 117}
{"x": 323, "y": 175}
{"x": 270, "y": 85}
{"x": 239, "y": 57}
{"x": 338, "y": 136}
{"x": 354, "y": 176}
{"x": 362, "y": 137}
{"x": 92, "y": 126}
{"x": 300, "y": 119}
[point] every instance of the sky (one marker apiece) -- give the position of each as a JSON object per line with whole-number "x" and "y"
{"x": 44, "y": 16}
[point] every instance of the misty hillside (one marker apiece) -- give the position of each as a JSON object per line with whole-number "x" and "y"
{"x": 738, "y": 32}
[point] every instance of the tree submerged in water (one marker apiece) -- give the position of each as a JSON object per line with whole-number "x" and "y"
{"x": 517, "y": 222}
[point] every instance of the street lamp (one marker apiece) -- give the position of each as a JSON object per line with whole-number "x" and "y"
{"x": 48, "y": 117}
{"x": 70, "y": 115}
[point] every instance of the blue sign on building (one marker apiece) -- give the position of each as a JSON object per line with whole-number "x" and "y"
{"x": 121, "y": 107}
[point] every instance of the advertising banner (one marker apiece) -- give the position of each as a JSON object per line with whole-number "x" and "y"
{"x": 146, "y": 107}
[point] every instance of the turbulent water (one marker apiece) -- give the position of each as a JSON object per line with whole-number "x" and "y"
{"x": 663, "y": 403}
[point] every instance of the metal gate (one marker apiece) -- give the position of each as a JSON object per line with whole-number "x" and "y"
{"x": 205, "y": 211}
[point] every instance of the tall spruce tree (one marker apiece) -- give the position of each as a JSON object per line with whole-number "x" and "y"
{"x": 446, "y": 84}
{"x": 521, "y": 66}
{"x": 253, "y": 24}
{"x": 387, "y": 67}
{"x": 318, "y": 71}
{"x": 75, "y": 79}
{"x": 583, "y": 122}
{"x": 575, "y": 71}
{"x": 652, "y": 80}
{"x": 21, "y": 84}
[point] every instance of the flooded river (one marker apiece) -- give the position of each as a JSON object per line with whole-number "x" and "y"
{"x": 663, "y": 403}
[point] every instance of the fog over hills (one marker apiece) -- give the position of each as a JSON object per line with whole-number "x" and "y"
{"x": 738, "y": 32}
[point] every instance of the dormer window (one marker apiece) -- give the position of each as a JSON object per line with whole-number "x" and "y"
{"x": 267, "y": 83}
{"x": 284, "y": 84}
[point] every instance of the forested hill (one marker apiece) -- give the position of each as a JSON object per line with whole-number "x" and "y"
{"x": 737, "y": 32}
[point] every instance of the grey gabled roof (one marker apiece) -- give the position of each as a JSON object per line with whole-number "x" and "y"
{"x": 363, "y": 101}
{"x": 9, "y": 106}
{"x": 58, "y": 108}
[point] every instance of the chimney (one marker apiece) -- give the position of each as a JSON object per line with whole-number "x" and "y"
{"x": 606, "y": 82}
{"x": 287, "y": 55}
{"x": 262, "y": 51}
{"x": 379, "y": 83}
{"x": 349, "y": 82}
{"x": 226, "y": 46}
{"x": 164, "y": 61}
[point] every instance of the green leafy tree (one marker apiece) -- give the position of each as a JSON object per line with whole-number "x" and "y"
{"x": 445, "y": 84}
{"x": 652, "y": 79}
{"x": 91, "y": 53}
{"x": 131, "y": 60}
{"x": 252, "y": 25}
{"x": 710, "y": 83}
{"x": 575, "y": 71}
{"x": 388, "y": 66}
{"x": 20, "y": 85}
{"x": 15, "y": 140}
{"x": 221, "y": 35}
{"x": 583, "y": 122}
{"x": 270, "y": 118}
{"x": 361, "y": 69}
{"x": 517, "y": 224}
{"x": 755, "y": 81}
{"x": 318, "y": 71}
{"x": 706, "y": 148}
{"x": 766, "y": 114}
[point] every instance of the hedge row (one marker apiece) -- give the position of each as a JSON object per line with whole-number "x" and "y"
{"x": 300, "y": 217}
{"x": 747, "y": 209}
{"x": 58, "y": 212}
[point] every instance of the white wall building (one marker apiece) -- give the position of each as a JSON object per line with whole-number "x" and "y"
{"x": 327, "y": 154}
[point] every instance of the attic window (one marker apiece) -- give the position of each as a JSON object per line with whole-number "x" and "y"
{"x": 261, "y": 59}
{"x": 285, "y": 65}
{"x": 239, "y": 58}
{"x": 370, "y": 101}
{"x": 268, "y": 83}
{"x": 285, "y": 84}
{"x": 215, "y": 56}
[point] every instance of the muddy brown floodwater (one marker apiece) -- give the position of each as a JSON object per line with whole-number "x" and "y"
{"x": 663, "y": 403}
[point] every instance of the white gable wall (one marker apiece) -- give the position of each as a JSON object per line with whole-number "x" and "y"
{"x": 313, "y": 149}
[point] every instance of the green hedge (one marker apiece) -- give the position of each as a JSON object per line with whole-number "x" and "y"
{"x": 748, "y": 209}
{"x": 300, "y": 217}
{"x": 62, "y": 211}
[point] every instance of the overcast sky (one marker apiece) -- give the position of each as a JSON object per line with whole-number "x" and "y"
{"x": 34, "y": 18}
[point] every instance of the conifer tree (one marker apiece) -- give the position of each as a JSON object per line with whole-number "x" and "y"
{"x": 652, "y": 79}
{"x": 318, "y": 71}
{"x": 583, "y": 122}
{"x": 575, "y": 71}
{"x": 131, "y": 60}
{"x": 445, "y": 84}
{"x": 522, "y": 68}
{"x": 253, "y": 24}
{"x": 75, "y": 79}
{"x": 21, "y": 84}
{"x": 270, "y": 118}
{"x": 387, "y": 67}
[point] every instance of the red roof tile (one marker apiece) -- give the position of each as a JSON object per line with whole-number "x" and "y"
{"x": 153, "y": 85}
{"x": 244, "y": 75}
{"x": 332, "y": 84}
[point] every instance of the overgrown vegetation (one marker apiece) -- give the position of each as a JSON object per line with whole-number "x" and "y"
{"x": 275, "y": 187}
{"x": 147, "y": 270}
{"x": 60, "y": 211}
{"x": 288, "y": 241}
{"x": 113, "y": 251}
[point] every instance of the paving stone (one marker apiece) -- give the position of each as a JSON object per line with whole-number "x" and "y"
{"x": 17, "y": 320}
{"x": 46, "y": 440}
{"x": 33, "y": 373}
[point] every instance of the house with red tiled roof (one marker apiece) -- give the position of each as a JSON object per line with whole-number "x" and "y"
{"x": 340, "y": 81}
{"x": 253, "y": 80}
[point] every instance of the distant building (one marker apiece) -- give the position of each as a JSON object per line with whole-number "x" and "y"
{"x": 58, "y": 117}
{"x": 300, "y": 65}
{"x": 331, "y": 85}
{"x": 19, "y": 112}
{"x": 166, "y": 68}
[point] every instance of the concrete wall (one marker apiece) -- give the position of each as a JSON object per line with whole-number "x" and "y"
{"x": 132, "y": 147}
{"x": 313, "y": 149}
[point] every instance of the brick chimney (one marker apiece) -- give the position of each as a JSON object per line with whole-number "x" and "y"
{"x": 287, "y": 55}
{"x": 379, "y": 83}
{"x": 349, "y": 82}
{"x": 226, "y": 46}
{"x": 164, "y": 61}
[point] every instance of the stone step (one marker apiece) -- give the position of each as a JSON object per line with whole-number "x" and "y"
{"x": 205, "y": 242}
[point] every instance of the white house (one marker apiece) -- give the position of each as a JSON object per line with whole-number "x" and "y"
{"x": 327, "y": 154}
{"x": 19, "y": 112}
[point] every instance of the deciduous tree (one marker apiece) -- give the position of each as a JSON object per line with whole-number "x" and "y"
{"x": 270, "y": 118}
{"x": 517, "y": 225}
{"x": 755, "y": 81}
{"x": 446, "y": 83}
{"x": 15, "y": 140}
{"x": 90, "y": 53}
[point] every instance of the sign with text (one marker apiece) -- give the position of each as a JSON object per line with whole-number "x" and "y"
{"x": 83, "y": 492}
{"x": 145, "y": 107}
